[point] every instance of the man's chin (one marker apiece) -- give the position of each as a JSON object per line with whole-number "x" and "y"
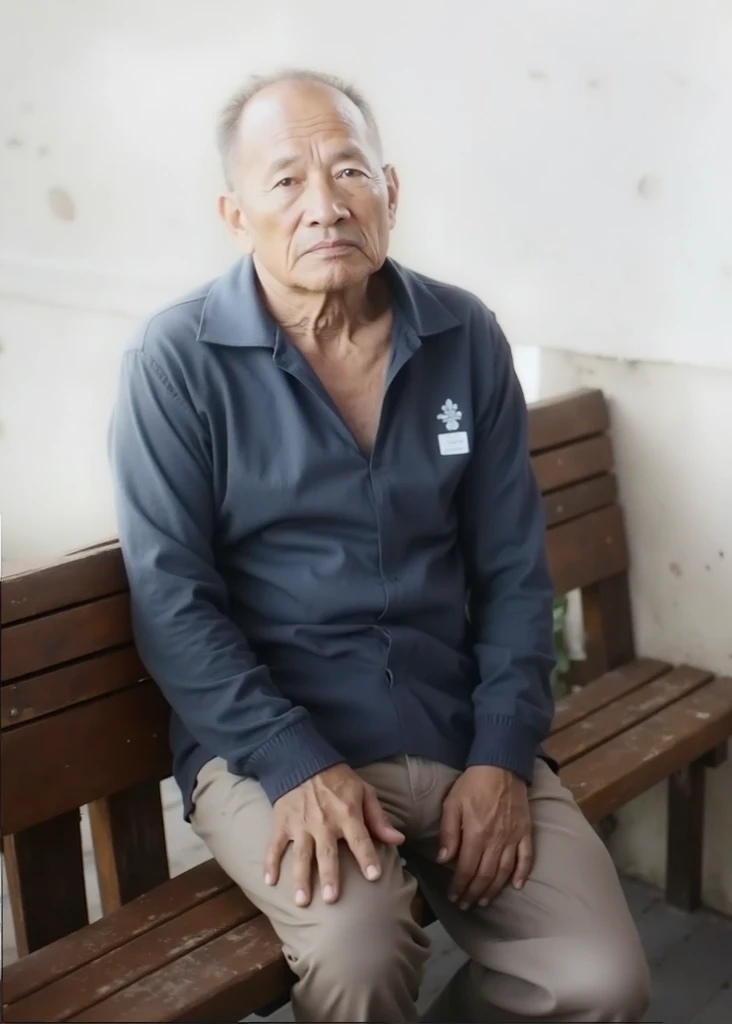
{"x": 336, "y": 275}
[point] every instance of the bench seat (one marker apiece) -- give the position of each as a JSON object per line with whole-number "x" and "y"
{"x": 196, "y": 949}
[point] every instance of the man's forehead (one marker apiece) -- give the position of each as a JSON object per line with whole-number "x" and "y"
{"x": 292, "y": 111}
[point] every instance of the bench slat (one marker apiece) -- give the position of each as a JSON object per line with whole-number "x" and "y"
{"x": 621, "y": 714}
{"x": 610, "y": 776}
{"x": 587, "y": 550}
{"x": 45, "y": 867}
{"x": 195, "y": 886}
{"x": 60, "y": 688}
{"x": 244, "y": 968}
{"x": 73, "y": 633}
{"x": 557, "y": 421}
{"x": 609, "y": 687}
{"x": 145, "y": 955}
{"x": 129, "y": 844}
{"x": 71, "y": 581}
{"x": 573, "y": 463}
{"x": 83, "y": 756}
{"x": 579, "y": 499}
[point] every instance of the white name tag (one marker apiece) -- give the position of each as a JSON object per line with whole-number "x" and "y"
{"x": 454, "y": 443}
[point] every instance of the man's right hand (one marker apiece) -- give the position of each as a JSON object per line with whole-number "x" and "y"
{"x": 315, "y": 816}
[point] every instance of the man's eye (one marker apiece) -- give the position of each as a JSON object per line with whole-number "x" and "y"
{"x": 352, "y": 172}
{"x": 285, "y": 183}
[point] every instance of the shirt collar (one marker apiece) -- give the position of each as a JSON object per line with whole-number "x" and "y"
{"x": 234, "y": 313}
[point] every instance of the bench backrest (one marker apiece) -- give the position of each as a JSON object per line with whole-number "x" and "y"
{"x": 82, "y": 724}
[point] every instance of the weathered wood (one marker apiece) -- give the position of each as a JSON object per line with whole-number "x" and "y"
{"x": 71, "y": 995}
{"x": 196, "y": 886}
{"x": 89, "y": 751}
{"x": 51, "y": 640}
{"x": 45, "y": 868}
{"x": 609, "y": 687}
{"x": 603, "y": 725}
{"x": 71, "y": 581}
{"x": 613, "y": 774}
{"x": 557, "y": 421}
{"x": 573, "y": 463}
{"x": 129, "y": 844}
{"x": 72, "y": 684}
{"x": 608, "y": 623}
{"x": 587, "y": 550}
{"x": 579, "y": 499}
{"x": 685, "y": 836}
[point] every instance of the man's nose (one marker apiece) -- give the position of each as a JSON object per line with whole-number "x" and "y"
{"x": 324, "y": 206}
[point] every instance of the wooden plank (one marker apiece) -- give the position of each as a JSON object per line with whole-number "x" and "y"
{"x": 72, "y": 684}
{"x": 129, "y": 844}
{"x": 73, "y": 633}
{"x": 232, "y": 975}
{"x": 587, "y": 550}
{"x": 175, "y": 897}
{"x": 579, "y": 499}
{"x": 71, "y": 995}
{"x": 557, "y": 421}
{"x": 89, "y": 751}
{"x": 608, "y": 621}
{"x": 76, "y": 580}
{"x": 606, "y": 778}
{"x": 573, "y": 463}
{"x": 685, "y": 836}
{"x": 606, "y": 689}
{"x": 602, "y": 725}
{"x": 45, "y": 869}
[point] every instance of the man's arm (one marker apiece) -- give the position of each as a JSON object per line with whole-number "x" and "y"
{"x": 486, "y": 822}
{"x": 186, "y": 639}
{"x": 510, "y": 589}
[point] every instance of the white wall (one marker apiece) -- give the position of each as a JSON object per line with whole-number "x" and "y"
{"x": 569, "y": 160}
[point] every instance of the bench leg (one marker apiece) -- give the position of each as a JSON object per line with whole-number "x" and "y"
{"x": 685, "y": 836}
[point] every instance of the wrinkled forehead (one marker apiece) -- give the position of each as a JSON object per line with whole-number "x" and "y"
{"x": 290, "y": 116}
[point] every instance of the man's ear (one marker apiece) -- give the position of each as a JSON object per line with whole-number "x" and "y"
{"x": 232, "y": 215}
{"x": 392, "y": 186}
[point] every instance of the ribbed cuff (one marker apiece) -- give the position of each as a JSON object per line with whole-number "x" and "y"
{"x": 505, "y": 743}
{"x": 292, "y": 757}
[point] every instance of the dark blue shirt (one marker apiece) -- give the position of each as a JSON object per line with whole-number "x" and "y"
{"x": 302, "y": 604}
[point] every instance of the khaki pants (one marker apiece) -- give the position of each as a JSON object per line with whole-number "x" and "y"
{"x": 564, "y": 948}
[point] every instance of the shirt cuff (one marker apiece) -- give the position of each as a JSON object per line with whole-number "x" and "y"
{"x": 290, "y": 758}
{"x": 505, "y": 743}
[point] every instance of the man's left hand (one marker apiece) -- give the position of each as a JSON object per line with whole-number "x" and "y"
{"x": 486, "y": 828}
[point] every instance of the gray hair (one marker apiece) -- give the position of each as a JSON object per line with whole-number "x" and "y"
{"x": 232, "y": 111}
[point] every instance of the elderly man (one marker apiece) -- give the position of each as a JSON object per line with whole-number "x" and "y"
{"x": 336, "y": 555}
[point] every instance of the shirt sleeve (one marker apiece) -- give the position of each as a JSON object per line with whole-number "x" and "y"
{"x": 510, "y": 588}
{"x": 198, "y": 656}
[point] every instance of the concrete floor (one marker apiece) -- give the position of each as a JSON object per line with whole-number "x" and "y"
{"x": 690, "y": 954}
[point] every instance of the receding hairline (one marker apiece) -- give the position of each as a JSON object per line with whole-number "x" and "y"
{"x": 231, "y": 113}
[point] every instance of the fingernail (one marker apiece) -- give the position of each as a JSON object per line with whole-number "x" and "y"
{"x": 372, "y": 872}
{"x": 442, "y": 855}
{"x": 464, "y": 905}
{"x": 328, "y": 893}
{"x": 268, "y": 879}
{"x": 483, "y": 903}
{"x": 300, "y": 898}
{"x": 452, "y": 898}
{"x": 518, "y": 885}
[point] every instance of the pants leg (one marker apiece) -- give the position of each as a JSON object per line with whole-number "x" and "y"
{"x": 563, "y": 948}
{"x": 360, "y": 959}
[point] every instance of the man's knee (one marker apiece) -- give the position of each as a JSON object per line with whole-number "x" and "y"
{"x": 603, "y": 980}
{"x": 352, "y": 960}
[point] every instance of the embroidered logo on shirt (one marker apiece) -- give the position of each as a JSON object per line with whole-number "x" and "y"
{"x": 450, "y": 415}
{"x": 456, "y": 442}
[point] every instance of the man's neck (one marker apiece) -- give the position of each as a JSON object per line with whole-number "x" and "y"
{"x": 328, "y": 320}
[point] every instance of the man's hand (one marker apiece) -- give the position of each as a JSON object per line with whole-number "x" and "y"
{"x": 486, "y": 824}
{"x": 332, "y": 806}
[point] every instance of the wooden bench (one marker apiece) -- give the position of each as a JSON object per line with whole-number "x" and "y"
{"x": 83, "y": 726}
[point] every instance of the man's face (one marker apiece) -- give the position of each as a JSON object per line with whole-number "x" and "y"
{"x": 311, "y": 200}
